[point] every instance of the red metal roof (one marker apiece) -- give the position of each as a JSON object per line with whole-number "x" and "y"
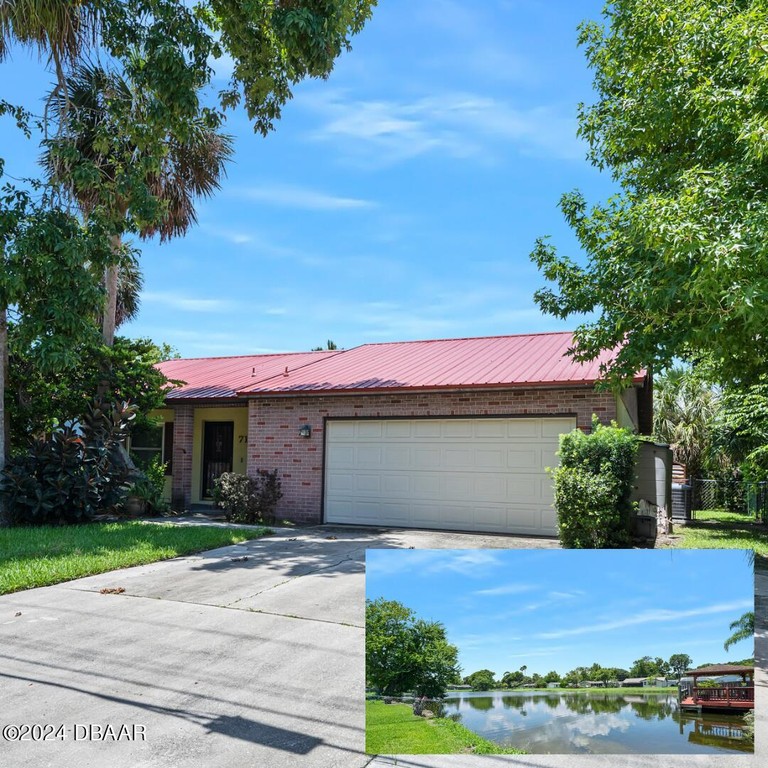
{"x": 217, "y": 377}
{"x": 497, "y": 361}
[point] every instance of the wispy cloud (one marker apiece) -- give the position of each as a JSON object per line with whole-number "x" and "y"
{"x": 654, "y": 616}
{"x": 173, "y": 300}
{"x": 293, "y": 196}
{"x": 505, "y": 589}
{"x": 459, "y": 125}
{"x": 468, "y": 562}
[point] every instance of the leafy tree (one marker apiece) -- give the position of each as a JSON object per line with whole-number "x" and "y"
{"x": 551, "y": 677}
{"x": 676, "y": 262}
{"x": 744, "y": 628}
{"x": 679, "y": 663}
{"x": 46, "y": 284}
{"x": 482, "y": 680}
{"x": 511, "y": 679}
{"x": 403, "y": 653}
{"x": 646, "y": 667}
{"x": 38, "y": 402}
{"x": 741, "y": 430}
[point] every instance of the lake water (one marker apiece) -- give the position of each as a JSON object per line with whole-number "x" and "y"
{"x": 594, "y": 723}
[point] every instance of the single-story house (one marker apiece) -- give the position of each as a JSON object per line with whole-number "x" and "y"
{"x": 451, "y": 434}
{"x": 638, "y": 682}
{"x": 553, "y": 685}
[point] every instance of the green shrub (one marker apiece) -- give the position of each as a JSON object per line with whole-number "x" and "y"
{"x": 248, "y": 499}
{"x": 74, "y": 473}
{"x": 593, "y": 485}
{"x": 149, "y": 487}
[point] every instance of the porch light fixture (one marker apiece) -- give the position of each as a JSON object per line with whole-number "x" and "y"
{"x": 305, "y": 430}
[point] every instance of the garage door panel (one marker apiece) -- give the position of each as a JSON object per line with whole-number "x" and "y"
{"x": 398, "y": 428}
{"x": 491, "y": 428}
{"x": 454, "y": 474}
{"x": 397, "y": 484}
{"x": 368, "y": 456}
{"x": 340, "y": 481}
{"x": 490, "y": 458}
{"x": 523, "y": 428}
{"x": 457, "y": 428}
{"x": 556, "y": 427}
{"x": 369, "y": 429}
{"x": 458, "y": 458}
{"x": 341, "y": 456}
{"x": 459, "y": 487}
{"x": 426, "y": 486}
{"x": 426, "y": 458}
{"x": 523, "y": 460}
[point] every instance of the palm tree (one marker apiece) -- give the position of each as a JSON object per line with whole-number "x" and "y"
{"x": 684, "y": 411}
{"x": 745, "y": 628}
{"x": 120, "y": 179}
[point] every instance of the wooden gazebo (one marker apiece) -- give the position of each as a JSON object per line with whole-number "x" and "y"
{"x": 737, "y": 696}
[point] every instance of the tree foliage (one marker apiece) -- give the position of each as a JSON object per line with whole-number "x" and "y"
{"x": 38, "y": 401}
{"x": 404, "y": 653}
{"x": 482, "y": 680}
{"x": 679, "y": 663}
{"x": 677, "y": 262}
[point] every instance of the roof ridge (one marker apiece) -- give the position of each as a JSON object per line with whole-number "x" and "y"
{"x": 258, "y": 354}
{"x": 466, "y": 338}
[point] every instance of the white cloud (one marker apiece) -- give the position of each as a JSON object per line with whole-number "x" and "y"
{"x": 505, "y": 589}
{"x": 292, "y": 196}
{"x": 459, "y": 125}
{"x": 469, "y": 562}
{"x": 171, "y": 300}
{"x": 654, "y": 616}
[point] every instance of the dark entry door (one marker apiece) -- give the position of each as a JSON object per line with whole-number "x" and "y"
{"x": 218, "y": 445}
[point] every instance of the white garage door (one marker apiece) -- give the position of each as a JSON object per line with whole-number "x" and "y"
{"x": 457, "y": 474}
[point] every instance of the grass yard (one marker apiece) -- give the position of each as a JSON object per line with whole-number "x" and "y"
{"x": 718, "y": 529}
{"x": 393, "y": 729}
{"x": 37, "y": 556}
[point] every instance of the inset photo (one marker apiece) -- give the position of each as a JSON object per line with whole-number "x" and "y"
{"x": 559, "y": 651}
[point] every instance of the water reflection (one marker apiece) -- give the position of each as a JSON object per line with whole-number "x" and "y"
{"x": 592, "y": 722}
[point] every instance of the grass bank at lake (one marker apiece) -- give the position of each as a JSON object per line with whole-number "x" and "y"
{"x": 38, "y": 556}
{"x": 718, "y": 529}
{"x": 393, "y": 729}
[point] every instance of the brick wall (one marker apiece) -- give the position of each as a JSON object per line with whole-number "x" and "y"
{"x": 274, "y": 442}
{"x": 181, "y": 484}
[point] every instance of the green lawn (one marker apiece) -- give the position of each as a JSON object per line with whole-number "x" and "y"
{"x": 718, "y": 529}
{"x": 393, "y": 729}
{"x": 37, "y": 556}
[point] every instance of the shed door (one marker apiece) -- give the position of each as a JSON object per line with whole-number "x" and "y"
{"x": 455, "y": 474}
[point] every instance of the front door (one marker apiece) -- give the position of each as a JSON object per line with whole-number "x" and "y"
{"x": 218, "y": 444}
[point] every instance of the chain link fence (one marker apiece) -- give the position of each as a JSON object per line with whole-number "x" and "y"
{"x": 748, "y": 498}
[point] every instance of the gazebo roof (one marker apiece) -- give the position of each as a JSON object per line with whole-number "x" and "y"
{"x": 721, "y": 669}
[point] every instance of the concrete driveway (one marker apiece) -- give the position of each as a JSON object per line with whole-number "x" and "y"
{"x": 246, "y": 655}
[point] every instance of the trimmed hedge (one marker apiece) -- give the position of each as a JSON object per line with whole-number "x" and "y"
{"x": 593, "y": 485}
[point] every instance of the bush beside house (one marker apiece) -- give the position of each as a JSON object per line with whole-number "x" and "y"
{"x": 593, "y": 485}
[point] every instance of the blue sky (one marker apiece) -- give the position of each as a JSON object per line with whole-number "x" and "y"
{"x": 559, "y": 609}
{"x": 397, "y": 200}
